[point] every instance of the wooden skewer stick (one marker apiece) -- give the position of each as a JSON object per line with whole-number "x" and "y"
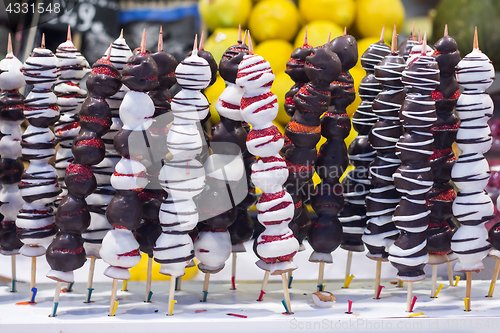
{"x": 434, "y": 280}
{"x": 305, "y": 37}
{"x": 394, "y": 42}
{"x": 148, "y": 279}
{"x": 494, "y": 278}
{"x": 445, "y": 30}
{"x": 285, "y": 291}
{"x": 113, "y": 297}
{"x": 377, "y": 278}
{"x": 42, "y": 45}
{"x": 413, "y": 37}
{"x": 13, "y": 266}
{"x": 171, "y": 294}
{"x": 382, "y": 34}
{"x": 233, "y": 272}
{"x": 468, "y": 289}
{"x": 56, "y": 299}
{"x": 409, "y": 297}
{"x": 33, "y": 277}
{"x": 68, "y": 37}
{"x": 348, "y": 267}
{"x": 90, "y": 280}
{"x": 320, "y": 276}
{"x": 205, "y": 287}
{"x": 9, "y": 45}
{"x": 160, "y": 39}
{"x": 450, "y": 274}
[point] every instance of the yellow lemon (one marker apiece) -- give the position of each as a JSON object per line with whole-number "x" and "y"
{"x": 224, "y": 13}
{"x": 220, "y": 40}
{"x": 213, "y": 92}
{"x": 271, "y": 19}
{"x": 317, "y": 33}
{"x": 340, "y": 12}
{"x": 276, "y": 51}
{"x": 139, "y": 271}
{"x": 371, "y": 15}
{"x": 282, "y": 83}
{"x": 357, "y": 74}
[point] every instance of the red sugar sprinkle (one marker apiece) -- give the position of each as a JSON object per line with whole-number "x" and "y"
{"x": 300, "y": 128}
{"x": 266, "y": 197}
{"x": 437, "y": 153}
{"x": 438, "y": 95}
{"x": 230, "y": 106}
{"x": 104, "y": 122}
{"x": 82, "y": 170}
{"x": 246, "y": 101}
{"x": 279, "y": 206}
{"x": 77, "y": 251}
{"x": 96, "y": 143}
{"x": 133, "y": 253}
{"x": 269, "y": 131}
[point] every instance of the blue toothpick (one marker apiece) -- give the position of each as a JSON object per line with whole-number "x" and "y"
{"x": 149, "y": 297}
{"x": 286, "y": 307}
{"x": 54, "y": 311}
{"x": 320, "y": 287}
{"x": 33, "y": 294}
{"x": 70, "y": 287}
{"x": 290, "y": 279}
{"x": 13, "y": 290}
{"x": 89, "y": 293}
{"x": 205, "y": 294}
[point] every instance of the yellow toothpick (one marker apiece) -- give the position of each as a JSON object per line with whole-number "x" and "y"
{"x": 114, "y": 308}
{"x": 172, "y": 307}
{"x": 124, "y": 287}
{"x": 438, "y": 290}
{"x": 466, "y": 302}
{"x": 457, "y": 278}
{"x": 416, "y": 314}
{"x": 348, "y": 280}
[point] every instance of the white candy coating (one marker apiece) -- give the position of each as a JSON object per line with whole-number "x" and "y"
{"x": 212, "y": 249}
{"x": 116, "y": 246}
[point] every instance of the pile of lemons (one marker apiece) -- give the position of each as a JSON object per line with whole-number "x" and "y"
{"x": 277, "y": 27}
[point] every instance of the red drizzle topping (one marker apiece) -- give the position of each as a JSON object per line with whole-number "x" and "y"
{"x": 133, "y": 253}
{"x": 96, "y": 143}
{"x": 300, "y": 128}
{"x": 104, "y": 122}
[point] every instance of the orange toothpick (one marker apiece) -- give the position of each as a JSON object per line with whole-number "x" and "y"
{"x": 9, "y": 45}
{"x": 475, "y": 45}
{"x": 42, "y": 46}
{"x": 160, "y": 39}
{"x": 143, "y": 42}
{"x": 195, "y": 48}
{"x": 445, "y": 30}
{"x": 394, "y": 42}
{"x": 250, "y": 44}
{"x": 382, "y": 33}
{"x": 305, "y": 37}
{"x": 69, "y": 33}
{"x": 202, "y": 41}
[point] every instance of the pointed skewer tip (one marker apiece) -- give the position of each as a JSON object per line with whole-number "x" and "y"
{"x": 239, "y": 34}
{"x": 345, "y": 31}
{"x": 445, "y": 30}
{"x": 143, "y": 42}
{"x": 305, "y": 36}
{"x": 121, "y": 33}
{"x": 475, "y": 44}
{"x": 419, "y": 37}
{"x": 329, "y": 38}
{"x": 382, "y": 33}
{"x": 202, "y": 41}
{"x": 109, "y": 52}
{"x": 42, "y": 46}
{"x": 195, "y": 45}
{"x": 244, "y": 40}
{"x": 413, "y": 37}
{"x": 9, "y": 45}
{"x": 69, "y": 33}
{"x": 394, "y": 42}
{"x": 250, "y": 44}
{"x": 424, "y": 44}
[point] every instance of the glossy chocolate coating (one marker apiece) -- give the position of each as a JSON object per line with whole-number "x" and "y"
{"x": 140, "y": 73}
{"x": 66, "y": 252}
{"x": 11, "y": 105}
{"x": 11, "y": 171}
{"x": 8, "y": 236}
{"x": 125, "y": 210}
{"x": 228, "y": 66}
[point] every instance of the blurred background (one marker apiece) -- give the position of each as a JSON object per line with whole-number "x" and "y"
{"x": 277, "y": 28}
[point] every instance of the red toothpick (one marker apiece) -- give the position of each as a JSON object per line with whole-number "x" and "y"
{"x": 240, "y": 41}
{"x": 143, "y": 42}
{"x": 195, "y": 49}
{"x": 202, "y": 41}
{"x": 382, "y": 33}
{"x": 262, "y": 293}
{"x": 394, "y": 43}
{"x": 9, "y": 45}
{"x": 42, "y": 46}
{"x": 379, "y": 291}
{"x": 305, "y": 37}
{"x": 413, "y": 37}
{"x": 475, "y": 44}
{"x": 233, "y": 284}
{"x": 424, "y": 44}
{"x": 413, "y": 303}
{"x": 445, "y": 30}
{"x": 236, "y": 315}
{"x": 69, "y": 33}
{"x": 160, "y": 39}
{"x": 349, "y": 307}
{"x": 250, "y": 44}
